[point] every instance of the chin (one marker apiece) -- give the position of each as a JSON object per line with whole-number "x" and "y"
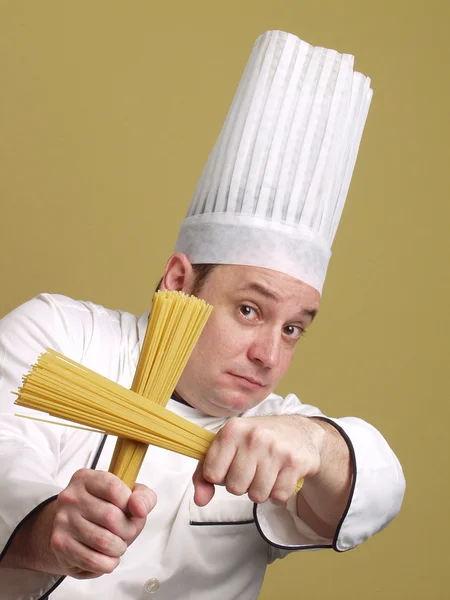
{"x": 237, "y": 403}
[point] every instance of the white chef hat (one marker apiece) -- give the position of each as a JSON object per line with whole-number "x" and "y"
{"x": 273, "y": 189}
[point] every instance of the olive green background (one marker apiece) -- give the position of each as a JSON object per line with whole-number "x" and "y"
{"x": 108, "y": 111}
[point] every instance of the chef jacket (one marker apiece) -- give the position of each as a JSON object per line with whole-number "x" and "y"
{"x": 219, "y": 551}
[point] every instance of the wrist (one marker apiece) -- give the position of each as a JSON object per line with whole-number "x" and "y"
{"x": 326, "y": 437}
{"x": 30, "y": 547}
{"x": 315, "y": 433}
{"x": 334, "y": 451}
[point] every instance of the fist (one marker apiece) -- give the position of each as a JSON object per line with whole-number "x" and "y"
{"x": 96, "y": 518}
{"x": 264, "y": 457}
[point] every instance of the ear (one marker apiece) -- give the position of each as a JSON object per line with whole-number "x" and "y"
{"x": 179, "y": 275}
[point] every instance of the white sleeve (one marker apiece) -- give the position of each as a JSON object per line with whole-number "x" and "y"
{"x": 377, "y": 492}
{"x": 29, "y": 450}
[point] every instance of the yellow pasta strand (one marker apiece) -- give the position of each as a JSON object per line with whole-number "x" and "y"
{"x": 65, "y": 389}
{"x": 87, "y": 398}
{"x": 175, "y": 324}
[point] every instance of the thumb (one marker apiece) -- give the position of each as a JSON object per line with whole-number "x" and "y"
{"x": 141, "y": 502}
{"x": 204, "y": 490}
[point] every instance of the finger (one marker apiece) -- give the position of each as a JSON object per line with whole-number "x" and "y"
{"x": 141, "y": 502}
{"x": 263, "y": 482}
{"x": 73, "y": 554}
{"x": 108, "y": 516}
{"x": 108, "y": 487}
{"x": 285, "y": 485}
{"x": 203, "y": 490}
{"x": 241, "y": 473}
{"x": 218, "y": 459}
{"x": 78, "y": 573}
{"x": 99, "y": 539}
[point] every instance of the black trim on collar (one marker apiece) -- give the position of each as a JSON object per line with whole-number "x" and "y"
{"x": 216, "y": 523}
{"x": 333, "y": 545}
{"x": 98, "y": 453}
{"x": 179, "y": 399}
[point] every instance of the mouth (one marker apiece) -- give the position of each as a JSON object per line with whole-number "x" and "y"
{"x": 248, "y": 382}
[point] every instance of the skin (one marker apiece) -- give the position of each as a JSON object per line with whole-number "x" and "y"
{"x": 244, "y": 351}
{"x": 85, "y": 531}
{"x": 246, "y": 348}
{"x": 249, "y": 335}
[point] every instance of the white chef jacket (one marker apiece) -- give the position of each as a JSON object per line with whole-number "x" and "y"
{"x": 219, "y": 551}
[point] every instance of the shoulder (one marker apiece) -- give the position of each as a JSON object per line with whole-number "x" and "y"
{"x": 104, "y": 340}
{"x": 58, "y": 310}
{"x": 69, "y": 326}
{"x": 44, "y": 306}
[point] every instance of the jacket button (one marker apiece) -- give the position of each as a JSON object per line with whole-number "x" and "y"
{"x": 152, "y": 585}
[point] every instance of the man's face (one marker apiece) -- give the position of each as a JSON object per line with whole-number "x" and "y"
{"x": 249, "y": 340}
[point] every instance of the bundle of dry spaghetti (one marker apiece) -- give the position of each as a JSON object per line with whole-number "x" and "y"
{"x": 68, "y": 390}
{"x": 176, "y": 322}
{"x": 65, "y": 389}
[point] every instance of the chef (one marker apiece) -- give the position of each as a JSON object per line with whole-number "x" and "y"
{"x": 255, "y": 244}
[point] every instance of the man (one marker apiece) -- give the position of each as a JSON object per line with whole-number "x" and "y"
{"x": 255, "y": 244}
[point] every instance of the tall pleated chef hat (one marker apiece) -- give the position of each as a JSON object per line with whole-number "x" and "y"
{"x": 274, "y": 186}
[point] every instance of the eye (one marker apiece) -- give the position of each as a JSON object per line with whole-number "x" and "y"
{"x": 248, "y": 312}
{"x": 294, "y": 332}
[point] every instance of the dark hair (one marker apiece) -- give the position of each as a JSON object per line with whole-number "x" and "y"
{"x": 202, "y": 272}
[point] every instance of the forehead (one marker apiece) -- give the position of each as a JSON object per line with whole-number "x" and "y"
{"x": 273, "y": 285}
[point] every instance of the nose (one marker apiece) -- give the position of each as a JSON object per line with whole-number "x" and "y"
{"x": 265, "y": 348}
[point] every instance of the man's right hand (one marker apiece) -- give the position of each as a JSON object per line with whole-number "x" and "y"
{"x": 87, "y": 528}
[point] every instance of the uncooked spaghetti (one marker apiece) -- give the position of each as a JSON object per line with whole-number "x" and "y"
{"x": 68, "y": 390}
{"x": 175, "y": 324}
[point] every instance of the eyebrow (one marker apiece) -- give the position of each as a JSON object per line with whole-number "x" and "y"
{"x": 260, "y": 289}
{"x": 263, "y": 291}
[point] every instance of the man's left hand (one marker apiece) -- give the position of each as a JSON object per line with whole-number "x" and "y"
{"x": 262, "y": 456}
